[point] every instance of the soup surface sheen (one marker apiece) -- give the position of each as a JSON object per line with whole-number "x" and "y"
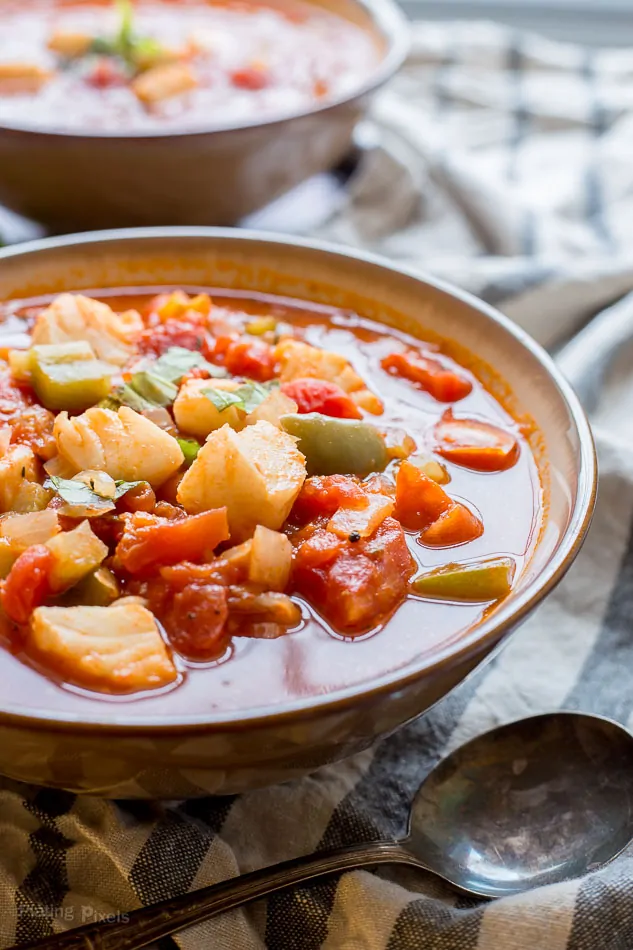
{"x": 463, "y": 496}
{"x": 165, "y": 64}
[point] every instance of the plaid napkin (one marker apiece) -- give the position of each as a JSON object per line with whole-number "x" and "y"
{"x": 504, "y": 162}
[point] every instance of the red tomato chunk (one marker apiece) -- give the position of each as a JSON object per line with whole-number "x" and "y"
{"x": 192, "y": 607}
{"x": 355, "y": 585}
{"x": 27, "y": 585}
{"x": 323, "y": 495}
{"x": 428, "y": 374}
{"x": 149, "y": 541}
{"x": 318, "y": 395}
{"x": 456, "y": 525}
{"x": 474, "y": 444}
{"x": 423, "y": 504}
{"x": 157, "y": 340}
{"x": 195, "y": 621}
{"x": 250, "y": 77}
{"x": 419, "y": 500}
{"x": 251, "y": 358}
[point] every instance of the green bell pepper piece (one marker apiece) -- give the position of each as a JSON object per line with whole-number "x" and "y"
{"x": 337, "y": 446}
{"x": 474, "y": 582}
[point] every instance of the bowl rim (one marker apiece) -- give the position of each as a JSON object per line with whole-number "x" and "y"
{"x": 385, "y": 15}
{"x": 475, "y": 640}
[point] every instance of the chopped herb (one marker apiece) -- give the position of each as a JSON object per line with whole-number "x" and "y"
{"x": 177, "y": 361}
{"x": 246, "y": 397}
{"x": 253, "y": 394}
{"x": 126, "y": 396}
{"x": 74, "y": 492}
{"x": 153, "y": 388}
{"x": 157, "y": 383}
{"x": 190, "y": 449}
{"x": 222, "y": 399}
{"x": 135, "y": 51}
{"x": 123, "y": 487}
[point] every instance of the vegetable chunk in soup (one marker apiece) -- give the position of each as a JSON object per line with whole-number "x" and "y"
{"x": 127, "y": 66}
{"x": 211, "y": 500}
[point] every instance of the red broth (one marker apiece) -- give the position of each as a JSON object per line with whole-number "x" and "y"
{"x": 185, "y": 63}
{"x": 315, "y": 657}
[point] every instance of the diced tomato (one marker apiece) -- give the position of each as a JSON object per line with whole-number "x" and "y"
{"x": 191, "y": 607}
{"x": 231, "y": 567}
{"x": 149, "y": 541}
{"x": 34, "y": 427}
{"x": 27, "y": 585}
{"x": 155, "y": 341}
{"x": 106, "y": 73}
{"x": 474, "y": 444}
{"x": 216, "y": 347}
{"x": 320, "y": 548}
{"x": 252, "y": 358}
{"x": 428, "y": 374}
{"x": 456, "y": 525}
{"x": 250, "y": 77}
{"x": 322, "y": 495}
{"x": 165, "y": 509}
{"x": 14, "y": 398}
{"x": 195, "y": 621}
{"x": 419, "y": 500}
{"x": 108, "y": 528}
{"x": 139, "y": 498}
{"x": 317, "y": 395}
{"x": 361, "y": 583}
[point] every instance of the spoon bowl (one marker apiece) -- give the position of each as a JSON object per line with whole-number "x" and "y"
{"x": 531, "y": 803}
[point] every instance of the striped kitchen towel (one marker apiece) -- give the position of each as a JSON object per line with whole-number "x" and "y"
{"x": 502, "y": 161}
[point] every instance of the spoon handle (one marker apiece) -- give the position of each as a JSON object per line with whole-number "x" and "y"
{"x": 142, "y": 927}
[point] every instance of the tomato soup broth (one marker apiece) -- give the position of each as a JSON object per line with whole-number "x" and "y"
{"x": 309, "y": 501}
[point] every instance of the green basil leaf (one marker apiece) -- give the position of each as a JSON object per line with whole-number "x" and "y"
{"x": 126, "y": 396}
{"x": 190, "y": 449}
{"x": 253, "y": 394}
{"x": 222, "y": 399}
{"x": 123, "y": 487}
{"x": 153, "y": 388}
{"x": 78, "y": 493}
{"x": 177, "y": 361}
{"x": 102, "y": 46}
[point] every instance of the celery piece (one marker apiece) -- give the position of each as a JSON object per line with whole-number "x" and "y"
{"x": 97, "y": 589}
{"x": 337, "y": 446}
{"x": 71, "y": 385}
{"x": 474, "y": 582}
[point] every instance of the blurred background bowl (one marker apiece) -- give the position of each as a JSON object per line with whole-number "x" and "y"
{"x": 180, "y": 756}
{"x": 71, "y": 182}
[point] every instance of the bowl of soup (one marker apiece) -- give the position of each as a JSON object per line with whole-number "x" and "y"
{"x": 144, "y": 112}
{"x": 262, "y": 501}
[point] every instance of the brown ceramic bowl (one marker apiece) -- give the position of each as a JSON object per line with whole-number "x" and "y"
{"x": 179, "y": 757}
{"x": 69, "y": 181}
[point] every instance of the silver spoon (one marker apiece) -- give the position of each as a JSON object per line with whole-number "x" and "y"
{"x": 534, "y": 802}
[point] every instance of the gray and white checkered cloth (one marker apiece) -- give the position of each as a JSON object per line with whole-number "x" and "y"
{"x": 503, "y": 162}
